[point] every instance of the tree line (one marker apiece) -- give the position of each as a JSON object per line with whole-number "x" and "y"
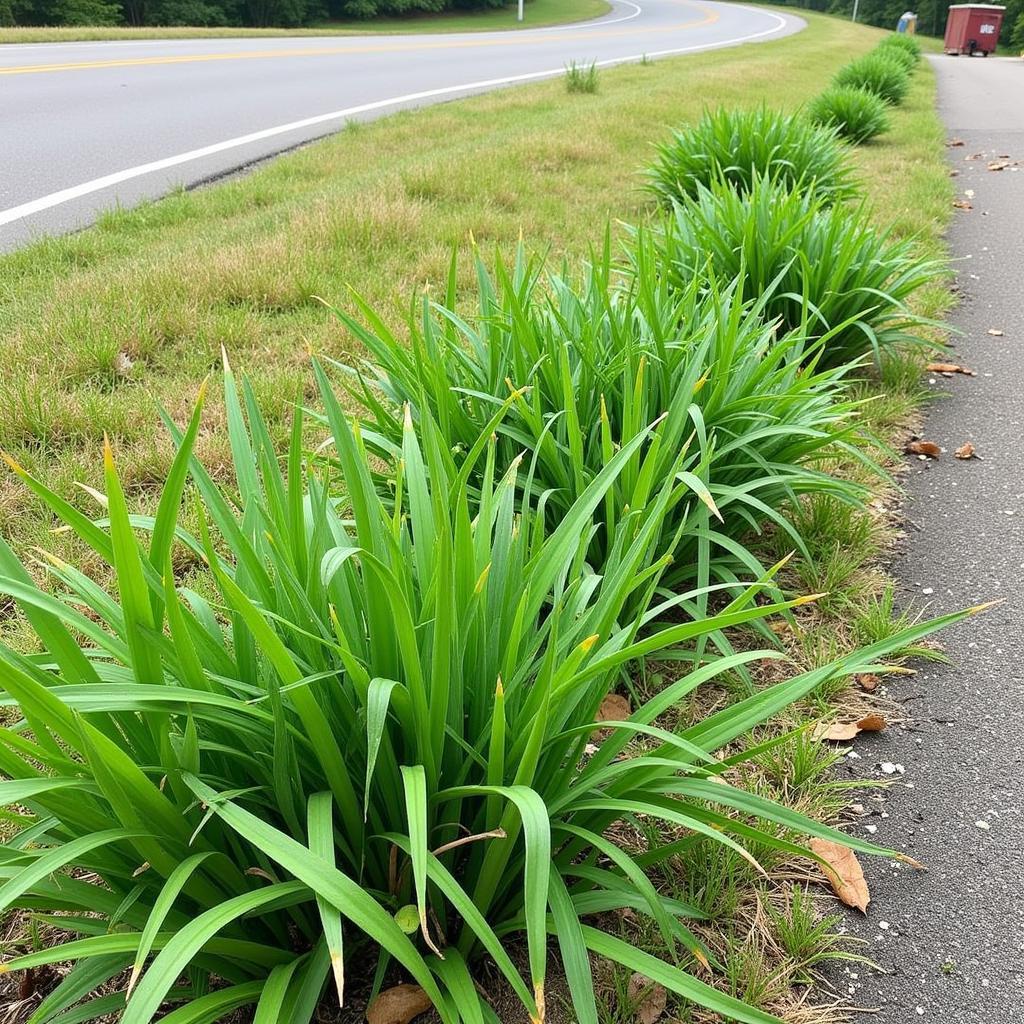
{"x": 260, "y": 13}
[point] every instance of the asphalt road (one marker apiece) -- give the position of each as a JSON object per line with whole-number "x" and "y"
{"x": 87, "y": 126}
{"x": 953, "y": 939}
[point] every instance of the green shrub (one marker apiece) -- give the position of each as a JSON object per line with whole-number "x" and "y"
{"x": 906, "y": 60}
{"x": 581, "y": 78}
{"x": 856, "y": 114}
{"x": 820, "y": 269}
{"x": 738, "y": 145}
{"x": 354, "y": 735}
{"x": 877, "y": 72}
{"x": 900, "y": 43}
{"x": 597, "y": 362}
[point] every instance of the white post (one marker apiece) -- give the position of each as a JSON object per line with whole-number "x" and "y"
{"x": 856, "y": 4}
{"x": 520, "y": 10}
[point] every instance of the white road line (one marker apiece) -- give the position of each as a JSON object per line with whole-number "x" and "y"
{"x": 66, "y": 195}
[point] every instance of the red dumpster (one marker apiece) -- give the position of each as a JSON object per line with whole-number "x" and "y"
{"x": 973, "y": 28}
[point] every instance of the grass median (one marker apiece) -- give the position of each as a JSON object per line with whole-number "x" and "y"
{"x": 537, "y": 14}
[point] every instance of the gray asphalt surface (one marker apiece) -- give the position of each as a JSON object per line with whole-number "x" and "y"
{"x": 73, "y": 114}
{"x": 953, "y": 939}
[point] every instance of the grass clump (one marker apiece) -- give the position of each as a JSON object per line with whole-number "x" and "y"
{"x": 737, "y": 146}
{"x": 879, "y": 73}
{"x": 824, "y": 270}
{"x": 902, "y": 46}
{"x": 744, "y": 417}
{"x": 581, "y": 78}
{"x": 856, "y": 114}
{"x": 360, "y": 735}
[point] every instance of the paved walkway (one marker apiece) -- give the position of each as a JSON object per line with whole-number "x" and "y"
{"x": 953, "y": 939}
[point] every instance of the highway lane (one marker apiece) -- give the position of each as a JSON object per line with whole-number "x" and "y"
{"x": 85, "y": 127}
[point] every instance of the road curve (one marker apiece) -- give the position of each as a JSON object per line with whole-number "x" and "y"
{"x": 85, "y": 127}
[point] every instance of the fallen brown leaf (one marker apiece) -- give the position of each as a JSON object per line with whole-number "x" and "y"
{"x": 974, "y": 156}
{"x": 398, "y": 1005}
{"x": 962, "y": 204}
{"x": 868, "y": 682}
{"x": 950, "y": 368}
{"x": 929, "y": 448}
{"x": 995, "y": 332}
{"x": 647, "y": 996}
{"x": 998, "y": 165}
{"x": 955, "y": 143}
{"x": 872, "y": 723}
{"x": 837, "y": 732}
{"x": 845, "y": 876}
{"x": 614, "y": 708}
{"x": 966, "y": 451}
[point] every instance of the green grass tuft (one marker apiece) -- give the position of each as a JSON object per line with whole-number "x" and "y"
{"x": 882, "y": 74}
{"x": 856, "y": 114}
{"x": 817, "y": 268}
{"x": 739, "y": 146}
{"x": 581, "y": 78}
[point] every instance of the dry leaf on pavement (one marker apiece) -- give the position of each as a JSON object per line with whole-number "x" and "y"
{"x": 871, "y": 723}
{"x": 840, "y": 732}
{"x": 648, "y": 997}
{"x": 999, "y": 165}
{"x": 929, "y": 448}
{"x": 962, "y": 204}
{"x": 955, "y": 143}
{"x": 845, "y": 876}
{"x": 398, "y": 1005}
{"x": 948, "y": 369}
{"x": 995, "y": 332}
{"x": 869, "y": 682}
{"x": 837, "y": 732}
{"x": 966, "y": 451}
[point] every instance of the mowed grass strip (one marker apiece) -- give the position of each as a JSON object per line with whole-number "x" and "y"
{"x": 99, "y": 328}
{"x": 536, "y": 14}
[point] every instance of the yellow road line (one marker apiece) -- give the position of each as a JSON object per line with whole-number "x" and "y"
{"x": 709, "y": 18}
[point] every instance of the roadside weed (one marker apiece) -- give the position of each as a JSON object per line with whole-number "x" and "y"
{"x": 581, "y": 78}
{"x": 902, "y": 41}
{"x": 878, "y": 618}
{"x": 856, "y": 114}
{"x": 740, "y": 146}
{"x": 743, "y": 417}
{"x": 880, "y": 73}
{"x": 904, "y": 47}
{"x": 809, "y": 937}
{"x": 821, "y": 269}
